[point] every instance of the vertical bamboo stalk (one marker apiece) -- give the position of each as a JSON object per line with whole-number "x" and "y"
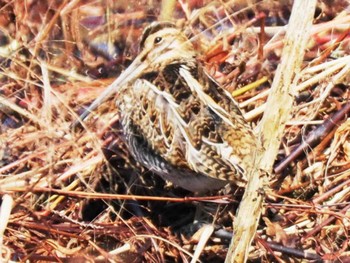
{"x": 167, "y": 11}
{"x": 278, "y": 107}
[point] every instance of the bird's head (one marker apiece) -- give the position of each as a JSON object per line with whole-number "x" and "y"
{"x": 163, "y": 44}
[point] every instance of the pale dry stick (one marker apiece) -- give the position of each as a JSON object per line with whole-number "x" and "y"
{"x": 326, "y": 73}
{"x": 68, "y": 14}
{"x": 47, "y": 100}
{"x": 279, "y": 105}
{"x": 34, "y": 175}
{"x": 251, "y": 115}
{"x": 344, "y": 72}
{"x": 274, "y": 42}
{"x": 297, "y": 228}
{"x": 326, "y": 65}
{"x": 5, "y": 212}
{"x": 4, "y": 102}
{"x": 20, "y": 180}
{"x": 331, "y": 25}
{"x": 40, "y": 37}
{"x": 327, "y": 69}
{"x": 166, "y": 241}
{"x": 269, "y": 30}
{"x": 304, "y": 122}
{"x": 338, "y": 141}
{"x": 14, "y": 76}
{"x": 69, "y": 74}
{"x": 42, "y": 34}
{"x": 111, "y": 254}
{"x": 338, "y": 196}
{"x": 342, "y": 63}
{"x": 207, "y": 231}
{"x": 73, "y": 4}
{"x": 80, "y": 166}
{"x": 185, "y": 9}
{"x": 16, "y": 163}
{"x": 327, "y": 222}
{"x": 69, "y": 250}
{"x": 39, "y": 153}
{"x": 167, "y": 11}
{"x": 331, "y": 191}
{"x": 338, "y": 178}
{"x": 104, "y": 254}
{"x": 273, "y": 30}
{"x": 260, "y": 95}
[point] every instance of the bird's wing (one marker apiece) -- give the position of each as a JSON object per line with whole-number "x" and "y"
{"x": 192, "y": 125}
{"x": 237, "y": 140}
{"x": 159, "y": 136}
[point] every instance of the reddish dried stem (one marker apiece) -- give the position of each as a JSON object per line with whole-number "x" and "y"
{"x": 315, "y": 137}
{"x": 326, "y": 222}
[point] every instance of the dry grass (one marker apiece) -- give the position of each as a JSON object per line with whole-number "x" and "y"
{"x": 78, "y": 196}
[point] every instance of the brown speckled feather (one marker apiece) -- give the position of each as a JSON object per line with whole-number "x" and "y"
{"x": 187, "y": 133}
{"x": 177, "y": 121}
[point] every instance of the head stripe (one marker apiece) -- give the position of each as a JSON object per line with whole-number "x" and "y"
{"x": 153, "y": 28}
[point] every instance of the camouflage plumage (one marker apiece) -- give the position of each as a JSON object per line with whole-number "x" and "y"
{"x": 176, "y": 120}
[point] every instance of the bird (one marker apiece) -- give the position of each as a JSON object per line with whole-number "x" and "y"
{"x": 175, "y": 119}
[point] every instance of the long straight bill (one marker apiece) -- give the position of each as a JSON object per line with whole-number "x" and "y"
{"x": 132, "y": 72}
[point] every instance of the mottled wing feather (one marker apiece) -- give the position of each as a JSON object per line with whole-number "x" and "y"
{"x": 237, "y": 139}
{"x": 189, "y": 128}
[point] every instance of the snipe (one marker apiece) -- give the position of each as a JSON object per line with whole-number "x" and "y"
{"x": 176, "y": 120}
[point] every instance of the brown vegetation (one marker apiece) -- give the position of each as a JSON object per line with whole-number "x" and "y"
{"x": 76, "y": 195}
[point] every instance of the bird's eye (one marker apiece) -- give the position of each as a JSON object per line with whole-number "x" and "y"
{"x": 157, "y": 40}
